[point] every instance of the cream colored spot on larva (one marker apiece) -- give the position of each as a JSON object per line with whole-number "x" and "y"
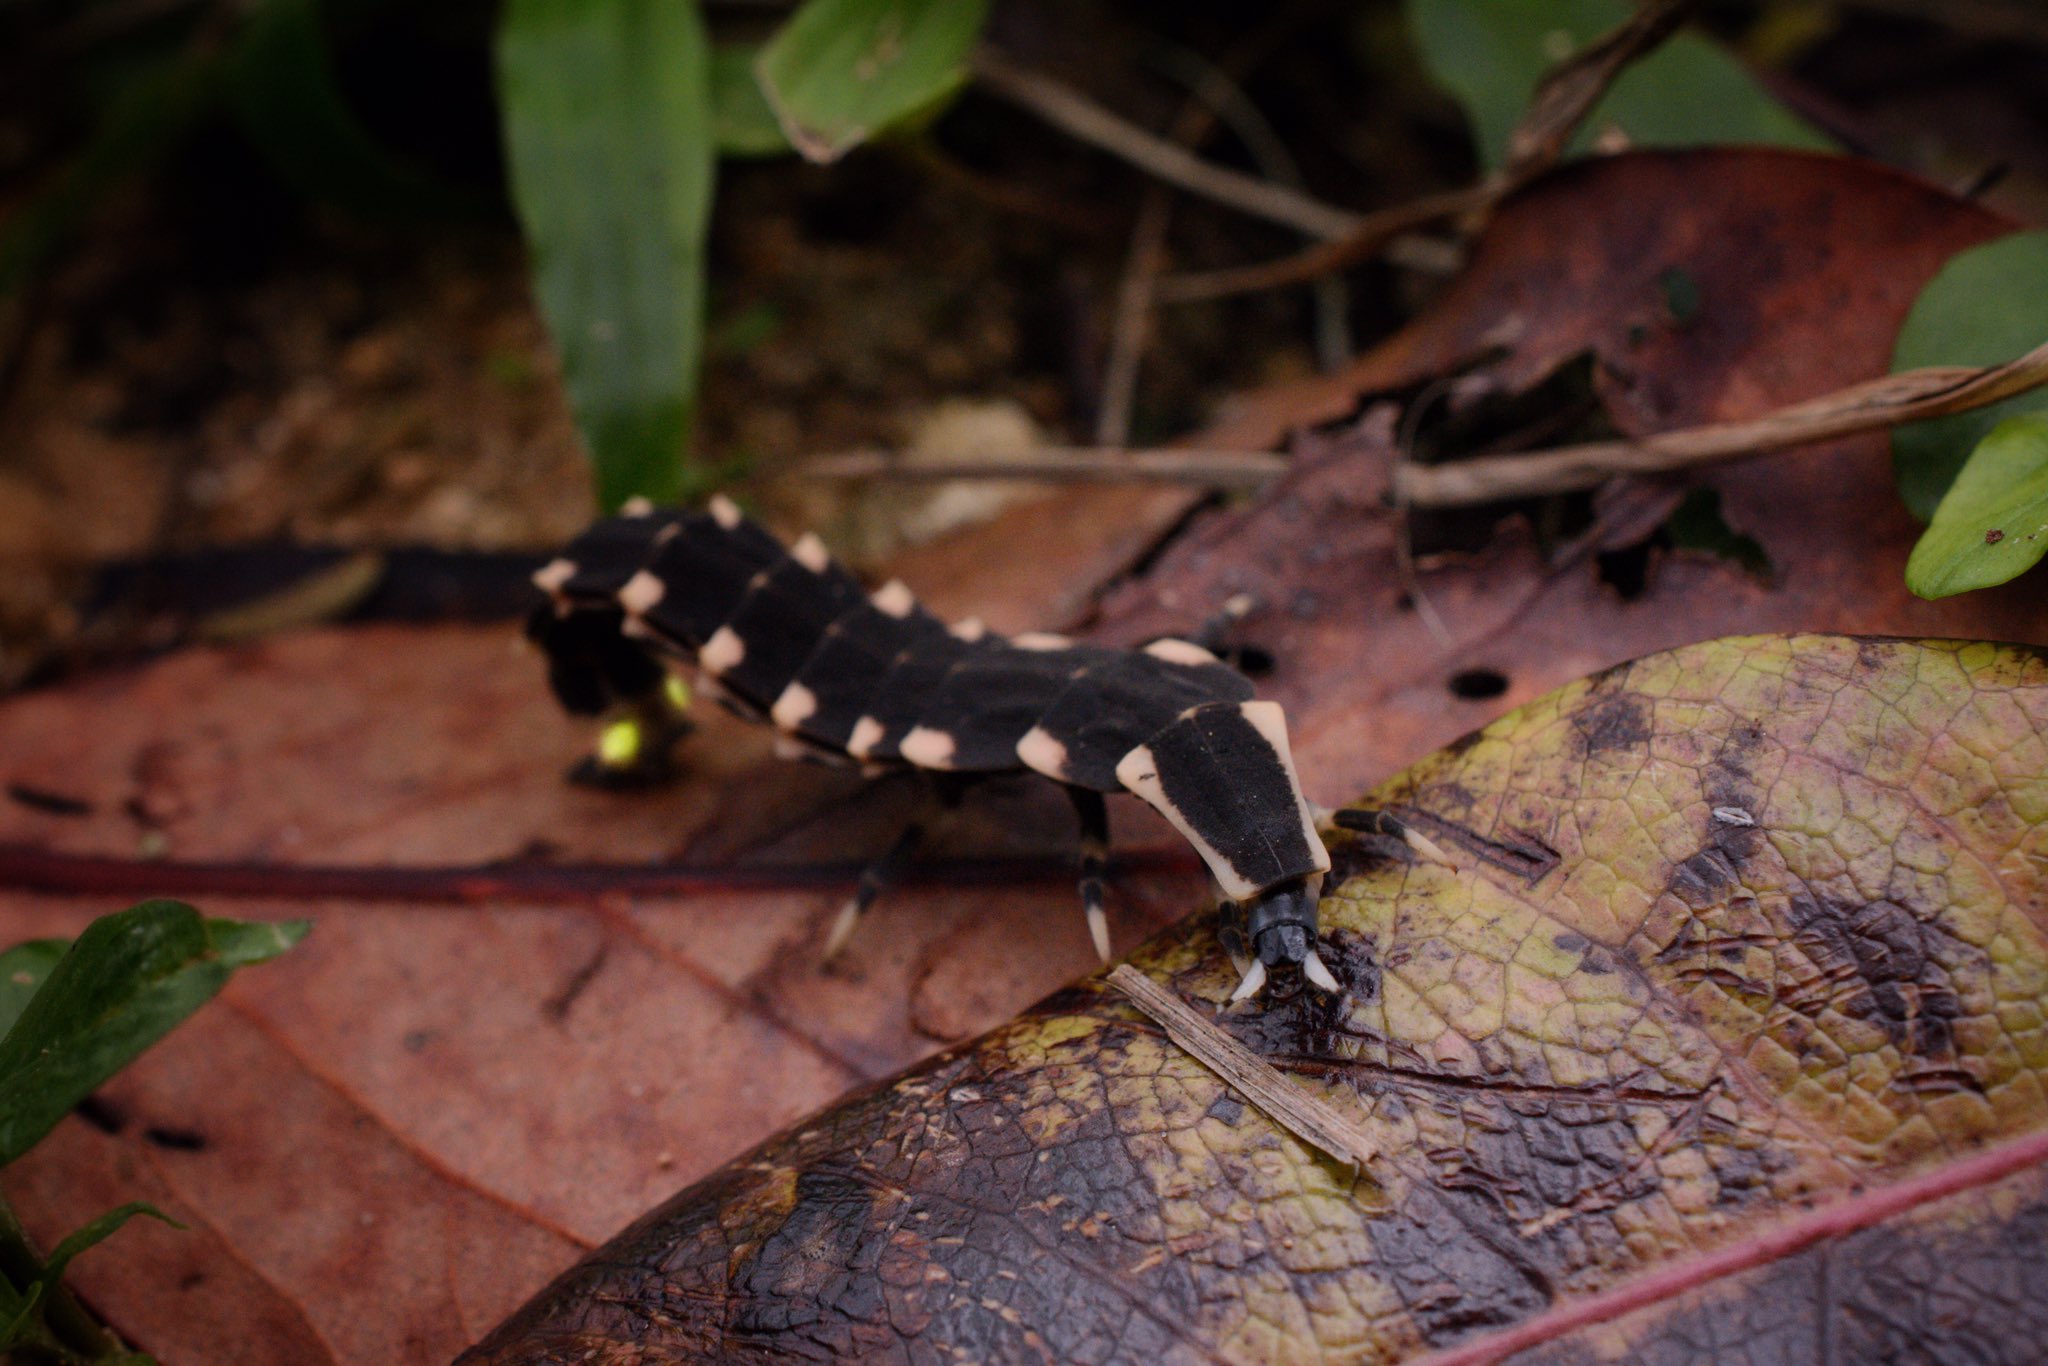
{"x": 722, "y": 653}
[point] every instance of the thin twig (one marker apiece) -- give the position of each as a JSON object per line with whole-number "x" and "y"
{"x": 1910, "y": 396}
{"x": 1065, "y": 465}
{"x": 1331, "y": 295}
{"x": 1374, "y": 234}
{"x": 1302, "y": 1113}
{"x": 1569, "y": 90}
{"x": 1080, "y": 117}
{"x": 1132, "y": 326}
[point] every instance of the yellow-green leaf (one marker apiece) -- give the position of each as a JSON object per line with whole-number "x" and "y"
{"x": 1992, "y": 525}
{"x": 1727, "y": 1028}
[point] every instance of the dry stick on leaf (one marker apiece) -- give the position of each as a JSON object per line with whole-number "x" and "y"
{"x": 1558, "y": 106}
{"x": 1306, "y": 1116}
{"x": 1080, "y": 117}
{"x": 1910, "y": 396}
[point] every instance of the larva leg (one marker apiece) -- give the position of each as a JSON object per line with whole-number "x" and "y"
{"x": 1368, "y": 821}
{"x": 946, "y": 791}
{"x": 873, "y": 879}
{"x": 636, "y": 745}
{"x": 1094, "y": 814}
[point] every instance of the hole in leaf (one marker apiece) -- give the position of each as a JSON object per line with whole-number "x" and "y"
{"x": 1476, "y": 685}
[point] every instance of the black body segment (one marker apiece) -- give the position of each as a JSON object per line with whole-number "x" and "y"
{"x": 898, "y": 704}
{"x": 972, "y": 720}
{"x": 1225, "y": 780}
{"x": 758, "y": 649}
{"x": 697, "y": 577}
{"x": 591, "y": 666}
{"x": 1116, "y": 704}
{"x": 593, "y": 568}
{"x": 836, "y": 683}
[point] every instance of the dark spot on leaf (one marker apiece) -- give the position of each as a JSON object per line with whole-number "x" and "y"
{"x": 175, "y": 1140}
{"x": 555, "y": 1008}
{"x": 102, "y": 1114}
{"x": 1993, "y": 536}
{"x": 1477, "y": 685}
{"x": 1681, "y": 295}
{"x": 50, "y": 803}
{"x": 1881, "y": 963}
{"x": 1620, "y": 722}
{"x": 1226, "y": 1108}
{"x": 1569, "y": 942}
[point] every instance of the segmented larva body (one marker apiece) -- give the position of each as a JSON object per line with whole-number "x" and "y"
{"x": 787, "y": 635}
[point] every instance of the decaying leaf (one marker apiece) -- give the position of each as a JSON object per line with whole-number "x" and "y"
{"x": 1740, "y": 986}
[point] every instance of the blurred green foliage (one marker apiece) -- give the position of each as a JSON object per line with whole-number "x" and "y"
{"x": 1688, "y": 92}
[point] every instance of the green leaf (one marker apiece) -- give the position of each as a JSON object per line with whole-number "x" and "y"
{"x": 607, "y": 111}
{"x": 282, "y": 89}
{"x": 840, "y": 70}
{"x": 1984, "y": 307}
{"x": 741, "y": 121}
{"x": 1993, "y": 523}
{"x": 93, "y": 1233}
{"x": 22, "y": 970}
{"x": 122, "y": 985}
{"x": 1491, "y": 53}
{"x": 32, "y": 1317}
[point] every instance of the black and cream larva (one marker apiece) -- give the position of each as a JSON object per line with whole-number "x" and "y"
{"x": 787, "y": 635}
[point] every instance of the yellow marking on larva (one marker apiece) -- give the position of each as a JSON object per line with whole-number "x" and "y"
{"x": 894, "y": 599}
{"x": 550, "y": 577}
{"x": 810, "y": 552}
{"x": 722, "y": 653}
{"x": 641, "y": 593}
{"x": 1179, "y": 652}
{"x": 797, "y": 705}
{"x": 1270, "y": 721}
{"x": 928, "y": 748}
{"x": 867, "y": 733}
{"x": 1043, "y": 753}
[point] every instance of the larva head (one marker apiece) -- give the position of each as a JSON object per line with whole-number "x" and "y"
{"x": 1281, "y": 922}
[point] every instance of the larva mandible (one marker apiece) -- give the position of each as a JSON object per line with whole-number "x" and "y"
{"x": 788, "y": 636}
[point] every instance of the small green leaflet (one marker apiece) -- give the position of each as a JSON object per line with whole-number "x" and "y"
{"x": 122, "y": 984}
{"x": 1984, "y": 307}
{"x": 840, "y": 70}
{"x": 1993, "y": 523}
